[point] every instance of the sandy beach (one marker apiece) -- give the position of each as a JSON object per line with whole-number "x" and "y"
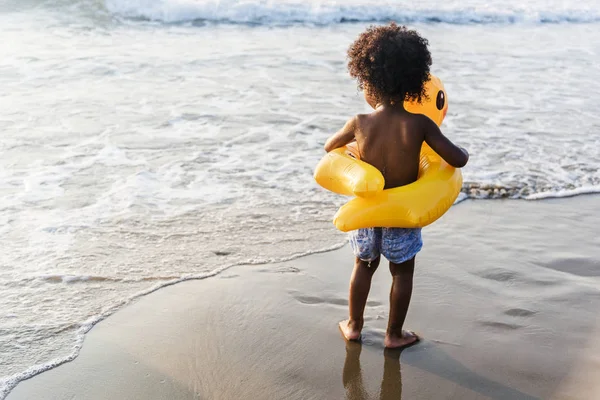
{"x": 506, "y": 298}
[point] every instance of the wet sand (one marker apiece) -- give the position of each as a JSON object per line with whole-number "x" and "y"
{"x": 506, "y": 298}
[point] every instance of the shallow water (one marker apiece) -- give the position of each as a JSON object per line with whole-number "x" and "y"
{"x": 150, "y": 141}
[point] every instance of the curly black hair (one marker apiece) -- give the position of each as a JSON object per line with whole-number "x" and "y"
{"x": 391, "y": 62}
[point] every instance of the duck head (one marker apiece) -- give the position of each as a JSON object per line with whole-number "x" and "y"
{"x": 435, "y": 106}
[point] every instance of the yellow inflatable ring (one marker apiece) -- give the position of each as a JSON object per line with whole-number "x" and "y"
{"x": 342, "y": 172}
{"x": 412, "y": 206}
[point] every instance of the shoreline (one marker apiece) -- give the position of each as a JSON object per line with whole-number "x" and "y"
{"x": 36, "y": 370}
{"x": 497, "y": 281}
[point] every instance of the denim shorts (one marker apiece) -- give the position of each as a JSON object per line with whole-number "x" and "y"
{"x": 396, "y": 244}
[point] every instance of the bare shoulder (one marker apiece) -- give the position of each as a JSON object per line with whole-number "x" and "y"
{"x": 355, "y": 122}
{"x": 362, "y": 118}
{"x": 424, "y": 122}
{"x": 362, "y": 121}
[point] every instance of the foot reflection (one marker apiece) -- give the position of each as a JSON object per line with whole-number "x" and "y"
{"x": 391, "y": 384}
{"x": 352, "y": 377}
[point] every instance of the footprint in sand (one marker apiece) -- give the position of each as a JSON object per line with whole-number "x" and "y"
{"x": 280, "y": 269}
{"x": 503, "y": 275}
{"x": 338, "y": 301}
{"x": 520, "y": 312}
{"x": 500, "y": 275}
{"x": 501, "y": 325}
{"x": 229, "y": 276}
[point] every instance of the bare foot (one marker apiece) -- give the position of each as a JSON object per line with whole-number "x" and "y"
{"x": 408, "y": 338}
{"x": 350, "y": 329}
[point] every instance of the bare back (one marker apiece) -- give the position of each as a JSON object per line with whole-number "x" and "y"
{"x": 391, "y": 141}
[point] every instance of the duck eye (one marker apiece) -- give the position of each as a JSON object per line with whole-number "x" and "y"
{"x": 440, "y": 101}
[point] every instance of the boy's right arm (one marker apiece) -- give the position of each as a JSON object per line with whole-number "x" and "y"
{"x": 451, "y": 153}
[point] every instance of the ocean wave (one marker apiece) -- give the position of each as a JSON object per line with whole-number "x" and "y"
{"x": 331, "y": 12}
{"x": 476, "y": 191}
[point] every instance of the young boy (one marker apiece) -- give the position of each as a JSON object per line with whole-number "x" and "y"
{"x": 391, "y": 64}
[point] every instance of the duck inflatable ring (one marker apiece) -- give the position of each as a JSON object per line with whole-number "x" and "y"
{"x": 411, "y": 206}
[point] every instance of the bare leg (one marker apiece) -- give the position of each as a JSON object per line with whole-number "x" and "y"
{"x": 360, "y": 284}
{"x": 402, "y": 275}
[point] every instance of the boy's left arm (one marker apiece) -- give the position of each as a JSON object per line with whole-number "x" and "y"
{"x": 342, "y": 137}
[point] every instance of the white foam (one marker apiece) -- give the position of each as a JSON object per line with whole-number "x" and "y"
{"x": 113, "y": 156}
{"x": 68, "y": 278}
{"x": 328, "y": 11}
{"x": 461, "y": 197}
{"x": 564, "y": 193}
